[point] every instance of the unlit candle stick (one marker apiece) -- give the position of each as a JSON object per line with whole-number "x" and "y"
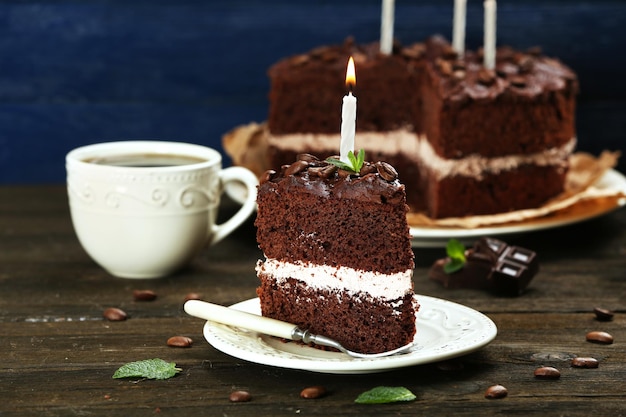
{"x": 348, "y": 115}
{"x": 458, "y": 29}
{"x": 489, "y": 47}
{"x": 386, "y": 27}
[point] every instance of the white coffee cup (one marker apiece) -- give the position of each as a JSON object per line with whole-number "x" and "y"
{"x": 148, "y": 221}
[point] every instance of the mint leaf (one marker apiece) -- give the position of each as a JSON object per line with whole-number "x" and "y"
{"x": 339, "y": 164}
{"x": 352, "y": 158}
{"x": 455, "y": 250}
{"x": 148, "y": 368}
{"x": 355, "y": 162}
{"x": 360, "y": 159}
{"x": 453, "y": 265}
{"x": 382, "y": 395}
{"x": 456, "y": 253}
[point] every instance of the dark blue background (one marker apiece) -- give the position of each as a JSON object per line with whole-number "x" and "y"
{"x": 85, "y": 71}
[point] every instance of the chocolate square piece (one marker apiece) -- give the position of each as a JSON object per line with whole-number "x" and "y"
{"x": 493, "y": 265}
{"x": 515, "y": 268}
{"x": 496, "y": 246}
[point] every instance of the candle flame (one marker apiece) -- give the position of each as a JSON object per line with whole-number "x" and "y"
{"x": 350, "y": 74}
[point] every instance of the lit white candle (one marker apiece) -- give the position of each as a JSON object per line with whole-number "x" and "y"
{"x": 348, "y": 115}
{"x": 489, "y": 47}
{"x": 458, "y": 26}
{"x": 386, "y": 27}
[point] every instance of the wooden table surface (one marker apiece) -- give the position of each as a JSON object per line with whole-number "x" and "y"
{"x": 58, "y": 354}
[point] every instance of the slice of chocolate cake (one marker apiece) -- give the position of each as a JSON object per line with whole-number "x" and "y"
{"x": 338, "y": 253}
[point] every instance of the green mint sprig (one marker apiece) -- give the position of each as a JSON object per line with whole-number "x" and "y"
{"x": 456, "y": 253}
{"x": 148, "y": 368}
{"x": 382, "y": 395}
{"x": 355, "y": 162}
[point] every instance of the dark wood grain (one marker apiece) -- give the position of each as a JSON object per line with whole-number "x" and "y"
{"x": 58, "y": 354}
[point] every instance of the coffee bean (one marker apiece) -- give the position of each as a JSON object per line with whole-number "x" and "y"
{"x": 344, "y": 173}
{"x": 486, "y": 77}
{"x": 239, "y": 397}
{"x": 299, "y": 60}
{"x": 496, "y": 391}
{"x": 445, "y": 67}
{"x": 144, "y": 295}
{"x": 114, "y": 314}
{"x": 386, "y": 171}
{"x": 415, "y": 51}
{"x": 459, "y": 65}
{"x": 600, "y": 337}
{"x": 585, "y": 363}
{"x": 179, "y": 341}
{"x": 459, "y": 74}
{"x": 267, "y": 176}
{"x": 323, "y": 172}
{"x": 602, "y": 314}
{"x": 367, "y": 168}
{"x": 193, "y": 296}
{"x": 448, "y": 52}
{"x": 518, "y": 81}
{"x": 328, "y": 171}
{"x": 297, "y": 167}
{"x": 313, "y": 392}
{"x": 526, "y": 64}
{"x": 307, "y": 157}
{"x": 547, "y": 372}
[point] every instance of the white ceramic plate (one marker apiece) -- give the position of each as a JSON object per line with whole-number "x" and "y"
{"x": 438, "y": 237}
{"x": 444, "y": 330}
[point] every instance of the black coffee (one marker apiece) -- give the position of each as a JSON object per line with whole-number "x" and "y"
{"x": 145, "y": 160}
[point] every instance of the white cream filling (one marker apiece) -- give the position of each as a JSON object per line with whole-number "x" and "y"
{"x": 417, "y": 148}
{"x": 388, "y": 142}
{"x": 342, "y": 278}
{"x": 475, "y": 165}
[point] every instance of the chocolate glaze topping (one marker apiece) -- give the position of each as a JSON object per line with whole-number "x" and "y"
{"x": 521, "y": 74}
{"x": 376, "y": 182}
{"x": 335, "y": 57}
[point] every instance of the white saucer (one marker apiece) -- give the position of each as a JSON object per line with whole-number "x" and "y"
{"x": 431, "y": 237}
{"x": 444, "y": 330}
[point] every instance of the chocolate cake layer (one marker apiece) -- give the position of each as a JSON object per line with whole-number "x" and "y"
{"x": 357, "y": 321}
{"x": 526, "y": 105}
{"x": 525, "y": 187}
{"x": 307, "y": 89}
{"x": 358, "y": 221}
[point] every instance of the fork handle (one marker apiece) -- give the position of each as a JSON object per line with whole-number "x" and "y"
{"x": 233, "y": 317}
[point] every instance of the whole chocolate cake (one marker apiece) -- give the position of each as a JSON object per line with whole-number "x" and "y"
{"x": 338, "y": 253}
{"x": 465, "y": 140}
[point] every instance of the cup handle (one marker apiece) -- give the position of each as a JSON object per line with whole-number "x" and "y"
{"x": 250, "y": 181}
